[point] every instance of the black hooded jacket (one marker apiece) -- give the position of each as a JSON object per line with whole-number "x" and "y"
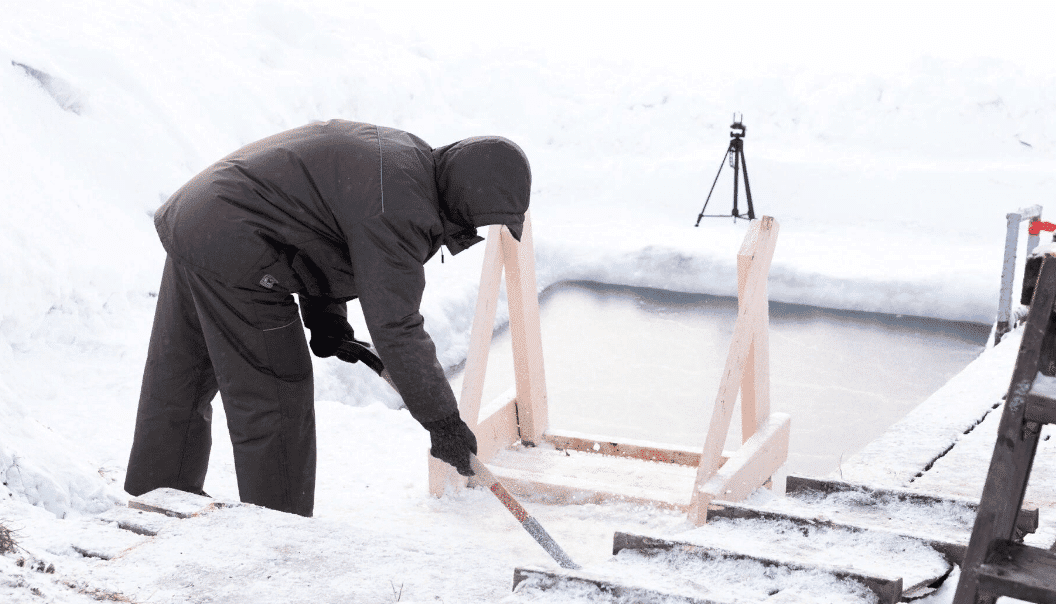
{"x": 339, "y": 210}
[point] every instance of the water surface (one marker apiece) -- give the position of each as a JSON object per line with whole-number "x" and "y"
{"x": 646, "y": 364}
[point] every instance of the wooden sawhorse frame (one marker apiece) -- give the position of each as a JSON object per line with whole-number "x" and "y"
{"x": 524, "y": 419}
{"x": 995, "y": 564}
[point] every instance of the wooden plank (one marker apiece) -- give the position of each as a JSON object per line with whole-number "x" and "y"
{"x": 483, "y": 329}
{"x": 174, "y": 503}
{"x": 606, "y": 445}
{"x": 749, "y": 414}
{"x": 549, "y": 579}
{"x": 1016, "y": 443}
{"x": 136, "y": 521}
{"x": 525, "y": 331}
{"x": 1040, "y": 409}
{"x": 574, "y": 477}
{"x": 755, "y": 384}
{"x": 497, "y": 431}
{"x": 1026, "y": 522}
{"x": 743, "y": 334}
{"x": 747, "y": 469}
{"x": 952, "y": 552}
{"x": 1019, "y": 571}
{"x": 888, "y": 590}
{"x": 443, "y": 477}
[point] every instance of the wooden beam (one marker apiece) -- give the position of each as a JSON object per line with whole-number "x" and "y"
{"x": 747, "y": 469}
{"x": 1021, "y": 572}
{"x": 764, "y": 234}
{"x": 605, "y": 445}
{"x": 497, "y": 431}
{"x": 525, "y": 331}
{"x": 1016, "y": 444}
{"x": 483, "y": 329}
{"x": 443, "y": 477}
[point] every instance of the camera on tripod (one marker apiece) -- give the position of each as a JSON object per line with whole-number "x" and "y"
{"x": 735, "y": 153}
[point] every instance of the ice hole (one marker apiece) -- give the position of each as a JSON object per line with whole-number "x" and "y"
{"x": 645, "y": 364}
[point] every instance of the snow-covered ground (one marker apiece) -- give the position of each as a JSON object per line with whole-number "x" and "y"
{"x": 889, "y": 143}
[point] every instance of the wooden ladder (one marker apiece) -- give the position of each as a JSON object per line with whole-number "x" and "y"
{"x": 995, "y": 564}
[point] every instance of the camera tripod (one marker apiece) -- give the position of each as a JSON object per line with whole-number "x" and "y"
{"x": 735, "y": 153}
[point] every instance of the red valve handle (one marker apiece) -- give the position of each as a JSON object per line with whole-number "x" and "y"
{"x": 1037, "y": 226}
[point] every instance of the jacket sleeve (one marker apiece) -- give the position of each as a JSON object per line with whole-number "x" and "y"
{"x": 390, "y": 279}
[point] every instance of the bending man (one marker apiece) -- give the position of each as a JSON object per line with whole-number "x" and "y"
{"x": 331, "y": 212}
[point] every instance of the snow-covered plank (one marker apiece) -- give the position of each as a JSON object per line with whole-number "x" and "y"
{"x": 952, "y": 551}
{"x": 138, "y": 521}
{"x": 93, "y": 539}
{"x": 554, "y": 580}
{"x": 172, "y": 502}
{"x": 800, "y": 486}
{"x": 888, "y": 590}
{"x": 253, "y": 555}
{"x": 872, "y": 553}
{"x": 578, "y": 477}
{"x": 690, "y": 577}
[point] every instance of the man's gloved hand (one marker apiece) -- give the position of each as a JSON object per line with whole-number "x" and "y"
{"x": 328, "y": 331}
{"x": 452, "y": 442}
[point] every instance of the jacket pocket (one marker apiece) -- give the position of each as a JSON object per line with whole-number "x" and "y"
{"x": 288, "y": 356}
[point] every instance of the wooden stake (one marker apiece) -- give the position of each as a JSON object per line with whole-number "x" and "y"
{"x": 483, "y": 327}
{"x": 523, "y": 298}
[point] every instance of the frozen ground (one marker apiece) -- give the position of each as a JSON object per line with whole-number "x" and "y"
{"x": 888, "y": 152}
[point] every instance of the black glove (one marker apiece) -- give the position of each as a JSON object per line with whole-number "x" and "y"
{"x": 452, "y": 442}
{"x": 328, "y": 331}
{"x": 354, "y": 351}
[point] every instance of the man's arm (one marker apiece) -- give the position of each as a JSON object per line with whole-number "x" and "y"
{"x": 390, "y": 280}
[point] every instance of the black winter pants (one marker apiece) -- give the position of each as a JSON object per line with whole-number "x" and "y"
{"x": 248, "y": 344}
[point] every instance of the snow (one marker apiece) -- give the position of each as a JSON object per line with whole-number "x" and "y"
{"x": 889, "y": 162}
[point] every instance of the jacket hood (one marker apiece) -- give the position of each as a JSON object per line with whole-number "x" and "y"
{"x": 481, "y": 180}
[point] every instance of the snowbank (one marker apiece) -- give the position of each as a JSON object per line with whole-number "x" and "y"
{"x": 43, "y": 468}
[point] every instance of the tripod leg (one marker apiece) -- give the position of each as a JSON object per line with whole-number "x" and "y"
{"x": 724, "y": 156}
{"x": 736, "y": 170}
{"x": 747, "y": 189}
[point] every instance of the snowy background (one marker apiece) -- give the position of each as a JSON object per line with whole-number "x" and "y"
{"x": 888, "y": 140}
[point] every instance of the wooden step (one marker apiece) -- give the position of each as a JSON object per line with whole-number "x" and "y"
{"x": 138, "y": 521}
{"x": 888, "y": 590}
{"x": 1041, "y": 400}
{"x": 1020, "y": 571}
{"x": 174, "y": 503}
{"x": 953, "y": 552}
{"x": 547, "y": 579}
{"x": 571, "y": 476}
{"x": 798, "y": 486}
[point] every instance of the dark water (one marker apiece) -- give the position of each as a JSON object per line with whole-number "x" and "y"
{"x": 646, "y": 364}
